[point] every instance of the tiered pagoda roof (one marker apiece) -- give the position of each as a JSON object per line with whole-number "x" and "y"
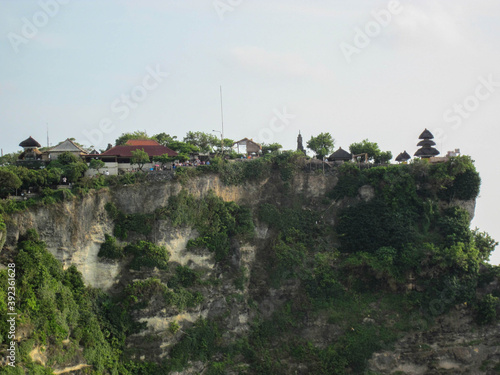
{"x": 426, "y": 150}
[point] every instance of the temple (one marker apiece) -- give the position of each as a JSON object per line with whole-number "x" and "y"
{"x": 426, "y": 150}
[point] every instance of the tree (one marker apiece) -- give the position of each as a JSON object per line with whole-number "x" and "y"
{"x": 373, "y": 151}
{"x": 204, "y": 141}
{"x": 322, "y": 145}
{"x": 9, "y": 182}
{"x": 9, "y": 159}
{"x": 67, "y": 158}
{"x": 228, "y": 145}
{"x": 74, "y": 171}
{"x": 164, "y": 139}
{"x": 484, "y": 243}
{"x": 139, "y": 157}
{"x": 125, "y": 137}
{"x": 269, "y": 148}
{"x": 97, "y": 164}
{"x": 72, "y": 166}
{"x": 164, "y": 159}
{"x": 182, "y": 157}
{"x": 384, "y": 157}
{"x": 184, "y": 148}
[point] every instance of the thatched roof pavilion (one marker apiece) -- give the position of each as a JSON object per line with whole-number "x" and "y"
{"x": 403, "y": 157}
{"x": 340, "y": 155}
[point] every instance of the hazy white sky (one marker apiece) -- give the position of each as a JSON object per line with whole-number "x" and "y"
{"x": 382, "y": 70}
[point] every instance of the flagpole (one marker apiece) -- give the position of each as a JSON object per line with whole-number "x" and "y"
{"x": 222, "y": 121}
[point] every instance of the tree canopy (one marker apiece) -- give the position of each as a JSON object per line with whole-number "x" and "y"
{"x": 268, "y": 148}
{"x": 322, "y": 145}
{"x": 8, "y": 182}
{"x": 164, "y": 139}
{"x": 125, "y": 137}
{"x": 97, "y": 164}
{"x": 204, "y": 141}
{"x": 183, "y": 147}
{"x": 67, "y": 158}
{"x": 372, "y": 149}
{"x": 139, "y": 157}
{"x": 9, "y": 159}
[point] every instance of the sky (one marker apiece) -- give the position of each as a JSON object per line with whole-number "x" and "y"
{"x": 377, "y": 70}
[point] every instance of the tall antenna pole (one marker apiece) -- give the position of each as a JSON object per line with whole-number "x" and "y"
{"x": 222, "y": 119}
{"x": 47, "y": 124}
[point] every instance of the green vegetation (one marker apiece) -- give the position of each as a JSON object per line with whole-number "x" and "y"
{"x": 139, "y": 157}
{"x": 139, "y": 293}
{"x": 215, "y": 220}
{"x": 57, "y": 307}
{"x": 96, "y": 164}
{"x": 125, "y": 137}
{"x": 373, "y": 151}
{"x": 9, "y": 182}
{"x": 269, "y": 148}
{"x": 204, "y": 141}
{"x": 322, "y": 145}
{"x": 147, "y": 254}
{"x": 125, "y": 223}
{"x": 110, "y": 249}
{"x": 351, "y": 271}
{"x": 486, "y": 309}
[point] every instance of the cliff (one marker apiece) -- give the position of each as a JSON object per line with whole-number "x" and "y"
{"x": 288, "y": 291}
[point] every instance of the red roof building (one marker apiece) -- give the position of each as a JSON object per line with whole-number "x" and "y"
{"x": 125, "y": 151}
{"x": 141, "y": 142}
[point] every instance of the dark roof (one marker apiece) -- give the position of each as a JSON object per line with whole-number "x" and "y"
{"x": 426, "y": 143}
{"x": 404, "y": 156}
{"x": 340, "y": 155}
{"x": 141, "y": 142}
{"x": 426, "y": 135}
{"x": 426, "y": 152}
{"x": 126, "y": 151}
{"x": 30, "y": 142}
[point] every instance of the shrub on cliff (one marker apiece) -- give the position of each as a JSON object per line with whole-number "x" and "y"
{"x": 110, "y": 249}
{"x": 147, "y": 254}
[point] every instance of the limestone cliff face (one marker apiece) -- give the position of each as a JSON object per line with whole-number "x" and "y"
{"x": 454, "y": 345}
{"x": 75, "y": 229}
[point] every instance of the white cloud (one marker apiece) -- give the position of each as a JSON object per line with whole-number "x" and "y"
{"x": 430, "y": 23}
{"x": 287, "y": 64}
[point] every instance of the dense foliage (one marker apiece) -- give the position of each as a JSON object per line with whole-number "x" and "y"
{"x": 57, "y": 307}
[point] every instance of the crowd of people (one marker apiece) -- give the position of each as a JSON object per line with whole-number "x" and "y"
{"x": 191, "y": 163}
